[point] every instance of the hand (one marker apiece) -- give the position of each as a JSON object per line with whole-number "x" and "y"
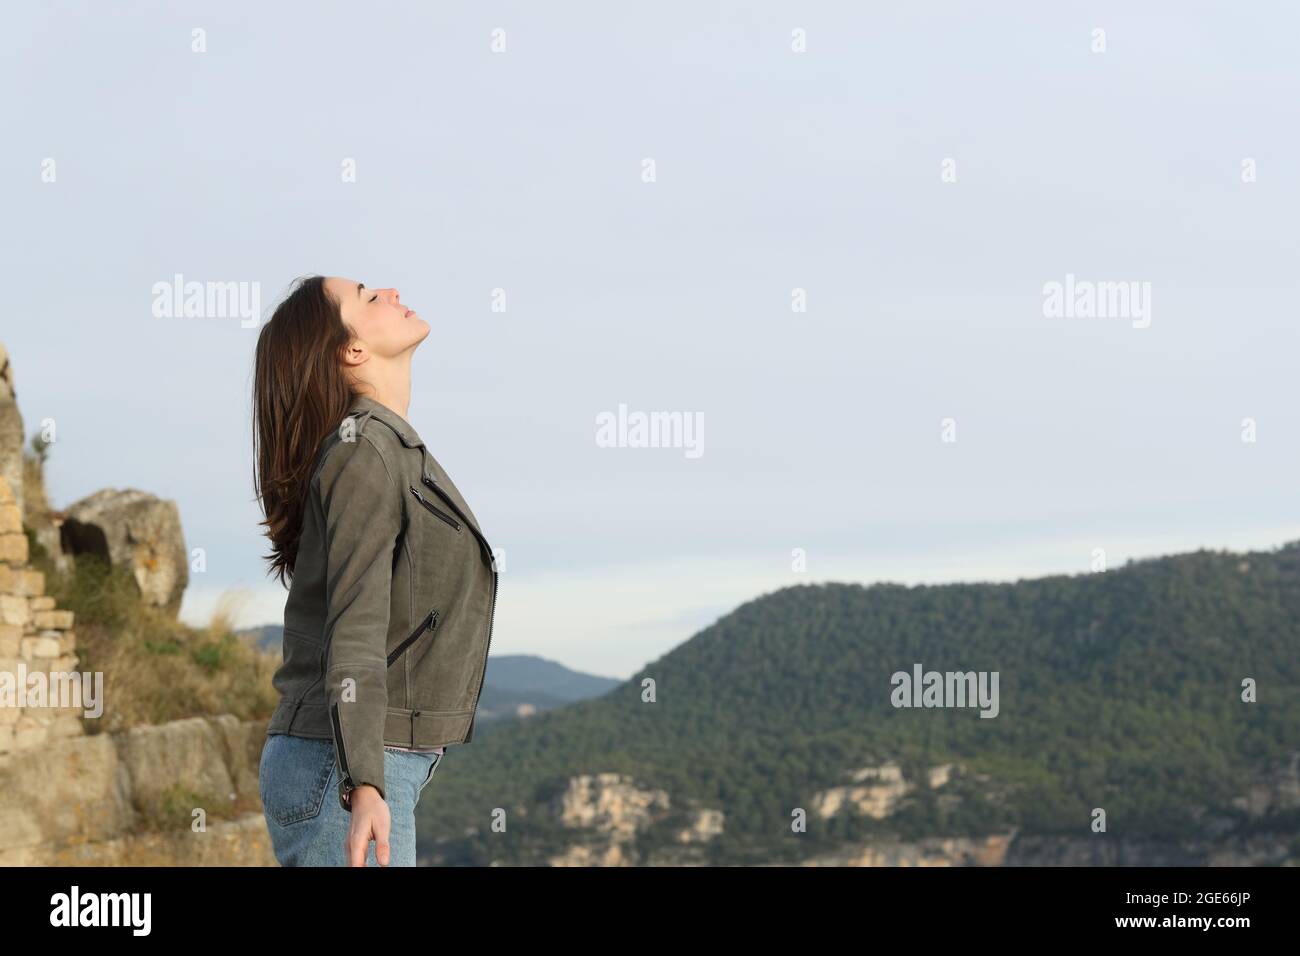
{"x": 370, "y": 820}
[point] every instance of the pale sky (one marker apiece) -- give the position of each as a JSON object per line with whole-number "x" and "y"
{"x": 774, "y": 171}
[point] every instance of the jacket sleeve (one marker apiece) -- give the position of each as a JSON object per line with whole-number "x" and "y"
{"x": 362, "y": 516}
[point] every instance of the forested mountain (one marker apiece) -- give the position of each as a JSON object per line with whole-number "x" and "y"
{"x": 1120, "y": 690}
{"x": 520, "y": 686}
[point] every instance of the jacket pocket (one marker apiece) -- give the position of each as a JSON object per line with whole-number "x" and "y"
{"x": 429, "y": 623}
{"x": 435, "y": 509}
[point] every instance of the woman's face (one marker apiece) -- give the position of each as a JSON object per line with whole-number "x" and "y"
{"x": 383, "y": 326}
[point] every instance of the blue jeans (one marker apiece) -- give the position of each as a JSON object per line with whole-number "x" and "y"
{"x": 299, "y": 783}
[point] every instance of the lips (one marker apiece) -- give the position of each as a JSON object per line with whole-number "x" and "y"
{"x": 409, "y": 313}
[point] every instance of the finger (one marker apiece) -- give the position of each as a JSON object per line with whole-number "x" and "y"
{"x": 358, "y": 843}
{"x": 381, "y": 842}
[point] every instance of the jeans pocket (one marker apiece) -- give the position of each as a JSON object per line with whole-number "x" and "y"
{"x": 296, "y": 773}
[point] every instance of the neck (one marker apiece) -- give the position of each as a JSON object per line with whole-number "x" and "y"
{"x": 392, "y": 388}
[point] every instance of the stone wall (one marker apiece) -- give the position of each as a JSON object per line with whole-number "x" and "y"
{"x": 36, "y": 639}
{"x": 35, "y": 636}
{"x": 11, "y": 431}
{"x": 183, "y": 793}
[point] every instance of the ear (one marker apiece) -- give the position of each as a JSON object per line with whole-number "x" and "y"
{"x": 356, "y": 353}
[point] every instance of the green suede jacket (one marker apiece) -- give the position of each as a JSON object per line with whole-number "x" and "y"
{"x": 389, "y": 617}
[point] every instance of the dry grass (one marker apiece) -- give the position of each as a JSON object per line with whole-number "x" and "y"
{"x": 156, "y": 669}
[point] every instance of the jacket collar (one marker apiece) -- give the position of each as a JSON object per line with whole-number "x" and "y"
{"x": 364, "y": 404}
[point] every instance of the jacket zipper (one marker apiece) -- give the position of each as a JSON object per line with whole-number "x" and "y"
{"x": 348, "y": 786}
{"x": 435, "y": 509}
{"x": 487, "y": 549}
{"x": 430, "y": 621}
{"x": 491, "y": 616}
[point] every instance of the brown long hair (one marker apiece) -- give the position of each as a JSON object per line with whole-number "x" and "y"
{"x": 300, "y": 395}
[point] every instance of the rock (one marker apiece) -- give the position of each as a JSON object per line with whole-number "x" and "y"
{"x": 940, "y": 775}
{"x": 609, "y": 804}
{"x": 938, "y": 851}
{"x": 136, "y": 530}
{"x": 609, "y": 854}
{"x": 612, "y": 810}
{"x": 876, "y": 793}
{"x": 183, "y": 757}
{"x": 11, "y": 431}
{"x": 72, "y": 790}
{"x": 707, "y": 824}
{"x": 240, "y": 842}
{"x": 95, "y": 800}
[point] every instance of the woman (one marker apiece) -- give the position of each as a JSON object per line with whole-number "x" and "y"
{"x": 389, "y": 616}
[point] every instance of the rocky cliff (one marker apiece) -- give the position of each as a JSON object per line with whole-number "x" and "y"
{"x": 180, "y": 793}
{"x": 607, "y": 814}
